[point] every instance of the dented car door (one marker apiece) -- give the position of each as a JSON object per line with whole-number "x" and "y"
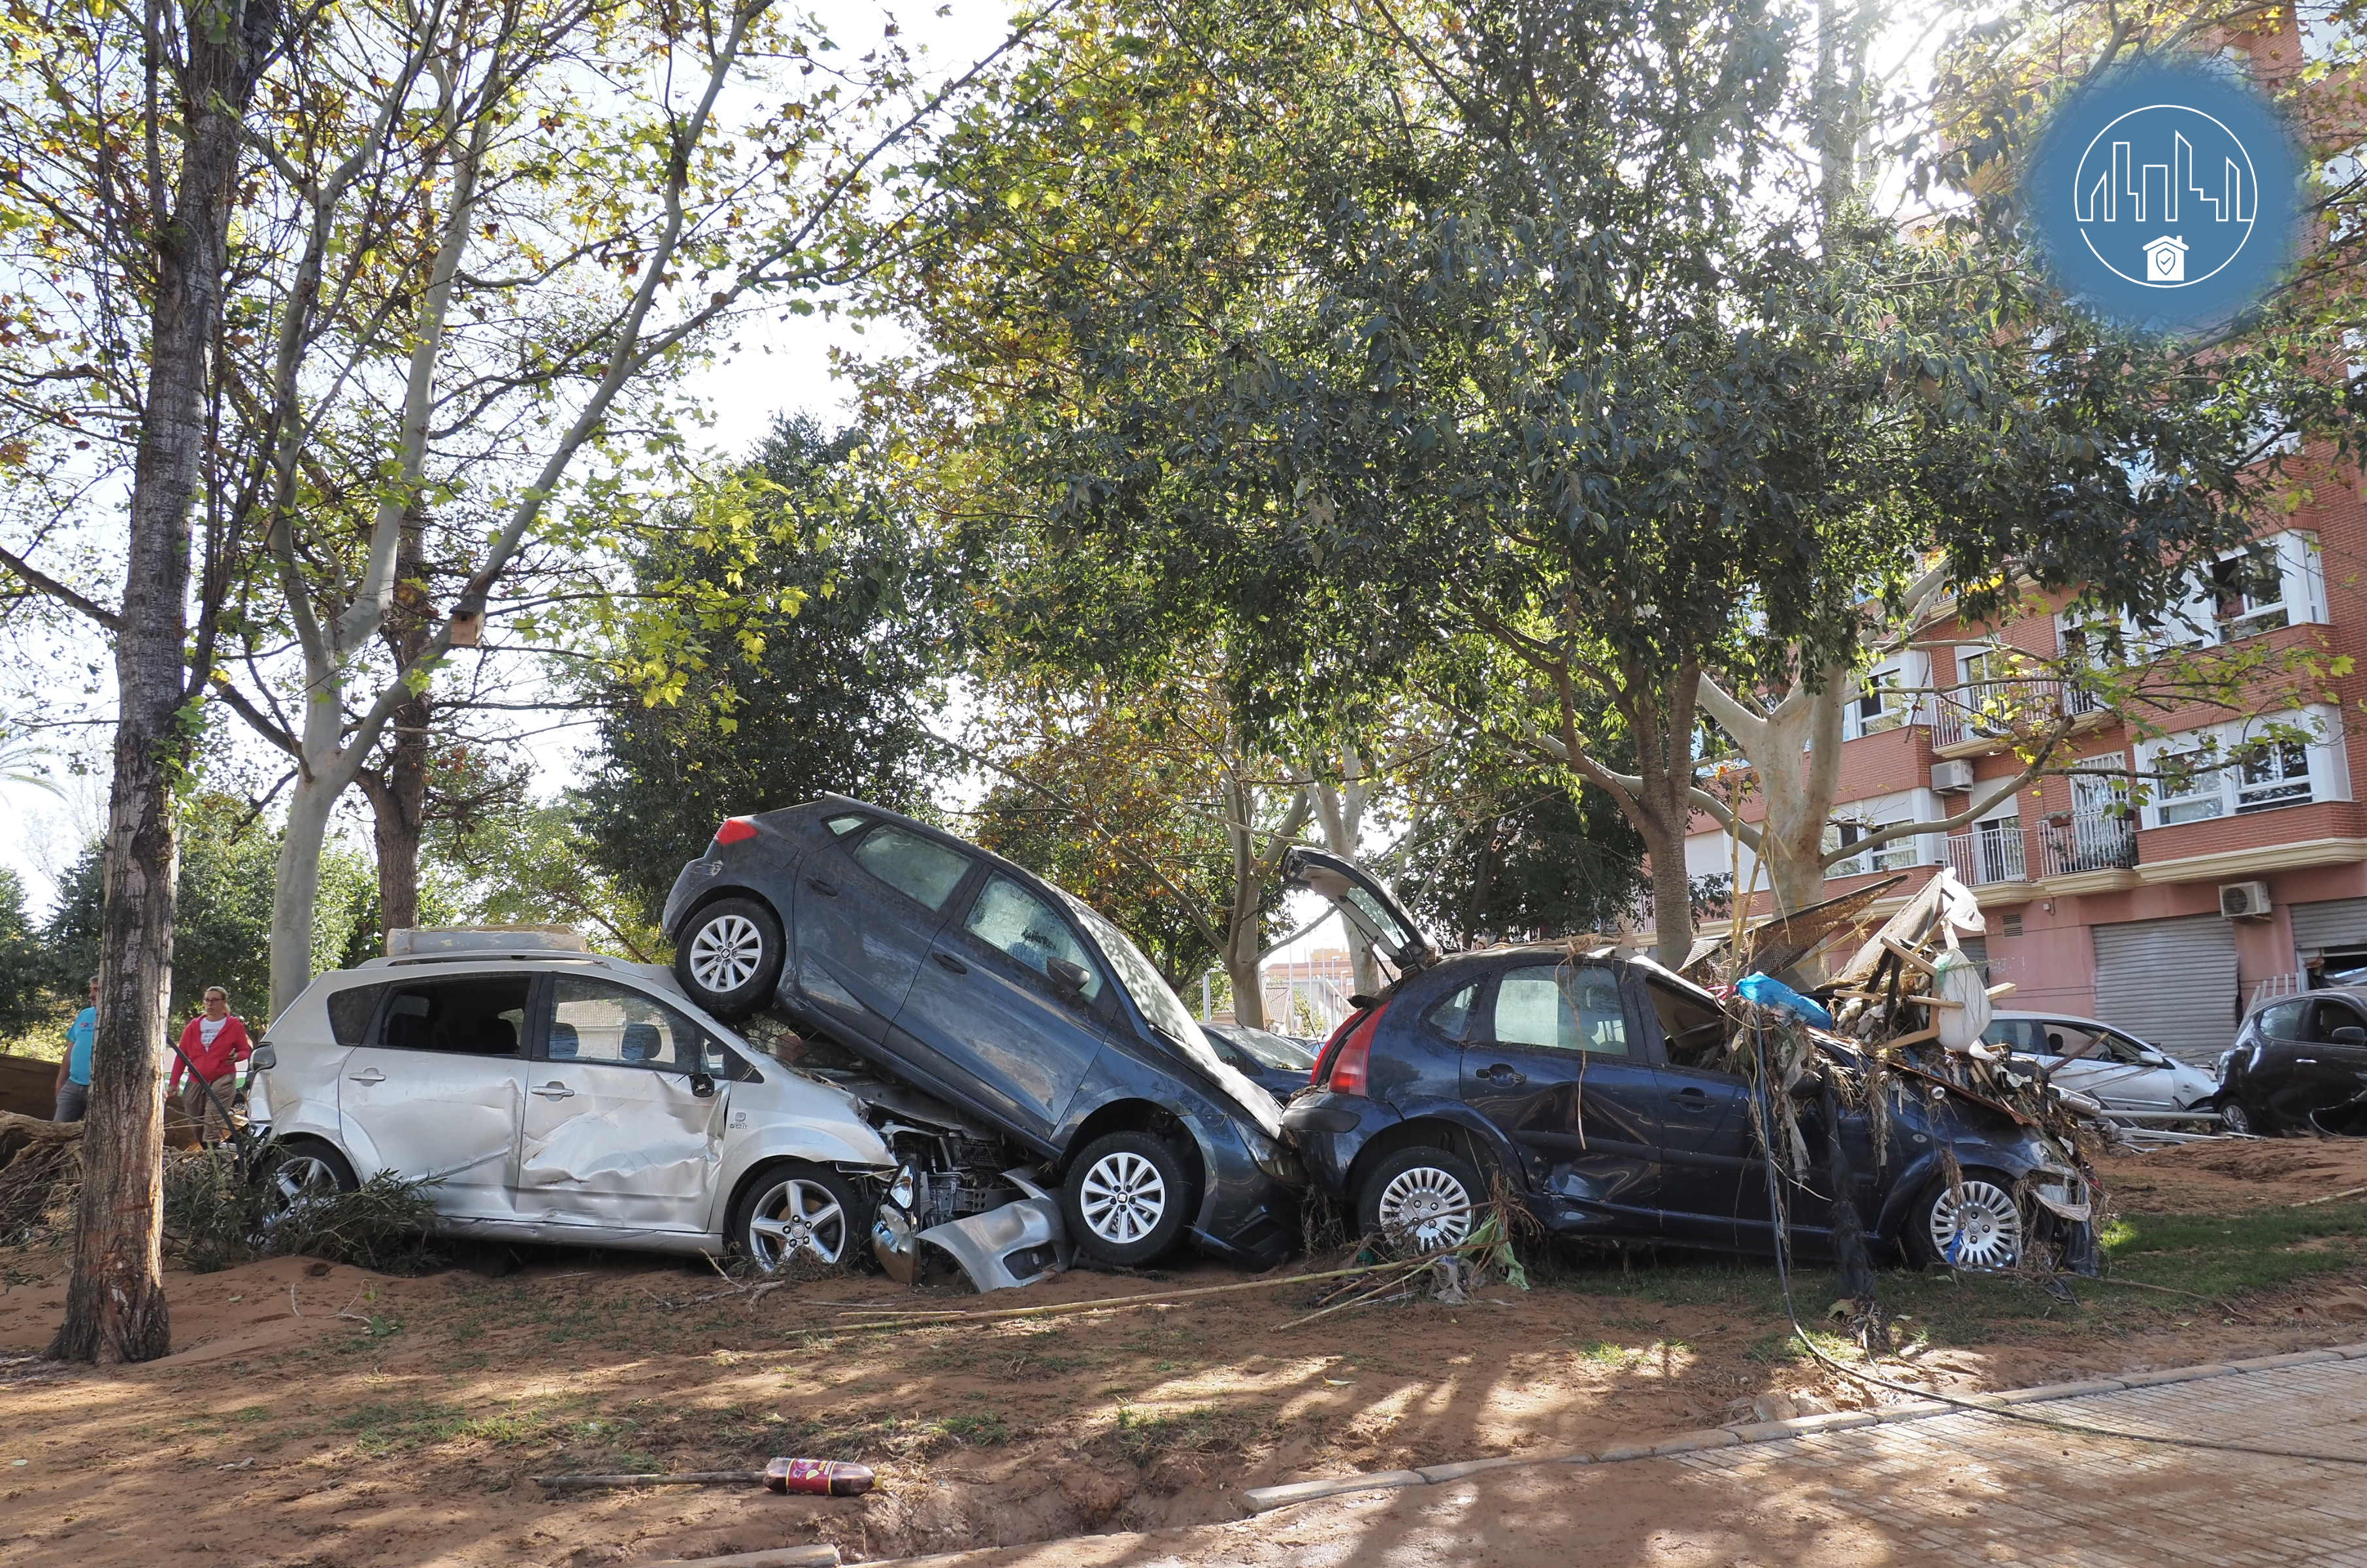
{"x": 432, "y": 1089}
{"x": 624, "y": 1126}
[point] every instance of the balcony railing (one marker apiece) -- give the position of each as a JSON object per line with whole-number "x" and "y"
{"x": 1999, "y": 710}
{"x": 2008, "y": 852}
{"x": 1990, "y": 853}
{"x": 2089, "y": 840}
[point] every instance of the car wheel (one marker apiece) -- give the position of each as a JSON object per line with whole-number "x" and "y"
{"x": 1421, "y": 1199}
{"x": 729, "y": 957}
{"x": 1127, "y": 1199}
{"x": 2235, "y": 1119}
{"x": 795, "y": 1212}
{"x": 303, "y": 1175}
{"x": 1977, "y": 1227}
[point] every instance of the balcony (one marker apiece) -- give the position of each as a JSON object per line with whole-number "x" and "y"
{"x": 2089, "y": 840}
{"x": 1992, "y": 851}
{"x": 1989, "y": 716}
{"x": 2006, "y": 851}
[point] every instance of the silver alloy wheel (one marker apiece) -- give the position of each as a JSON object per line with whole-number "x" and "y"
{"x": 1122, "y": 1197}
{"x": 793, "y": 1216}
{"x": 1425, "y": 1208}
{"x": 726, "y": 953}
{"x": 1980, "y": 1227}
{"x": 2236, "y": 1119}
{"x": 300, "y": 1181}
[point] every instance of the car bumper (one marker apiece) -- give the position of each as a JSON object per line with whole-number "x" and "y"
{"x": 1330, "y": 1130}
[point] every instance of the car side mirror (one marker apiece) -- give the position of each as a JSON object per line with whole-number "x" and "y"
{"x": 2350, "y": 1034}
{"x": 702, "y": 1086}
{"x": 1069, "y": 977}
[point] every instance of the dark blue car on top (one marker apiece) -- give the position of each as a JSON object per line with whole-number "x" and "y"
{"x": 972, "y": 979}
{"x": 1587, "y": 1083}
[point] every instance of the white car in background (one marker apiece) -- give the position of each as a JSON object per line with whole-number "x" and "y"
{"x": 556, "y": 1095}
{"x": 2110, "y": 1066}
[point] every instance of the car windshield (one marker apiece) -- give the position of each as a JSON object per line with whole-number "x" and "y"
{"x": 1165, "y": 1011}
{"x": 1271, "y": 1050}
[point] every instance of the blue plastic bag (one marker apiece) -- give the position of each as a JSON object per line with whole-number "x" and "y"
{"x": 1770, "y": 992}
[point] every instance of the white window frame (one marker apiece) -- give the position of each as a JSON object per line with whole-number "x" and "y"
{"x": 2223, "y": 792}
{"x": 2300, "y": 601}
{"x": 1857, "y": 819}
{"x": 1897, "y": 708}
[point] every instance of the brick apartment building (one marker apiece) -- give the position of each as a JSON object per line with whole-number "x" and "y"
{"x": 2170, "y": 917}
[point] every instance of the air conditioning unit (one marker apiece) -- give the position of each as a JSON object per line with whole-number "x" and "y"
{"x": 2243, "y": 900}
{"x": 1949, "y": 778}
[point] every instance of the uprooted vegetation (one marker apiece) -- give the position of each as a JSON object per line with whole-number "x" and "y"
{"x": 386, "y": 1420}
{"x": 215, "y": 1217}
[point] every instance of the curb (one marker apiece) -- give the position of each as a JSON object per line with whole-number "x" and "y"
{"x": 1265, "y": 1499}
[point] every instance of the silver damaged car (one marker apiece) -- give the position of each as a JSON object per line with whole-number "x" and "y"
{"x": 558, "y": 1096}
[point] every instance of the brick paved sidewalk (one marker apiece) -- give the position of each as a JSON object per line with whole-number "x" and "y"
{"x": 1983, "y": 1489}
{"x": 1962, "y": 1489}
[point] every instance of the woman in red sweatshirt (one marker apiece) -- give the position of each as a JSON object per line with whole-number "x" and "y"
{"x": 215, "y": 1042}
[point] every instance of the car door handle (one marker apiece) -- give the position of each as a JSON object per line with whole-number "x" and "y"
{"x": 947, "y": 961}
{"x": 1691, "y": 1098}
{"x": 819, "y": 885}
{"x": 556, "y": 1091}
{"x": 369, "y": 1074}
{"x": 1503, "y": 1073}
{"x": 2305, "y": 1061}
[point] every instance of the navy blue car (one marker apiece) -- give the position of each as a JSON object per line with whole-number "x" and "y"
{"x": 971, "y": 979}
{"x": 1588, "y": 1085}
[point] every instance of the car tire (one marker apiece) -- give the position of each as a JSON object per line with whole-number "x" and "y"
{"x": 1127, "y": 1199}
{"x": 1421, "y": 1199}
{"x": 304, "y": 1172}
{"x": 729, "y": 957}
{"x": 1984, "y": 1229}
{"x": 2235, "y": 1119}
{"x": 795, "y": 1210}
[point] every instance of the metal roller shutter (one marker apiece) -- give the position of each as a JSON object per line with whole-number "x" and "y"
{"x": 2339, "y": 923}
{"x": 2171, "y": 982}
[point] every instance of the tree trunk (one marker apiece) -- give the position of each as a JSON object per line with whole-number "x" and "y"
{"x": 296, "y": 889}
{"x": 1249, "y": 987}
{"x": 115, "y": 1301}
{"x": 398, "y": 800}
{"x": 1672, "y": 896}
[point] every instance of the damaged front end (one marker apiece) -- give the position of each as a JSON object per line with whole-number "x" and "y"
{"x": 958, "y": 1194}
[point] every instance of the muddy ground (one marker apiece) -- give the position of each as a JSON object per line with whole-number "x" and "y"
{"x": 312, "y": 1415}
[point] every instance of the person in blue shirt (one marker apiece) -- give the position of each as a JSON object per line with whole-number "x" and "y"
{"x": 73, "y": 1073}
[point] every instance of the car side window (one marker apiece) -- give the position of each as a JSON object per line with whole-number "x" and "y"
{"x": 350, "y": 1013}
{"x": 840, "y": 827}
{"x": 475, "y": 1016}
{"x": 1693, "y": 1032}
{"x": 1451, "y": 1017}
{"x": 600, "y": 1022}
{"x": 1559, "y": 1008}
{"x": 2121, "y": 1050}
{"x": 2021, "y": 1035}
{"x": 2282, "y": 1022}
{"x": 2331, "y": 1016}
{"x": 1008, "y": 917}
{"x": 920, "y": 868}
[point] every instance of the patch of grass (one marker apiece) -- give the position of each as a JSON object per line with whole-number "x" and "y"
{"x": 984, "y": 1430}
{"x": 1143, "y": 1438}
{"x": 1606, "y": 1354}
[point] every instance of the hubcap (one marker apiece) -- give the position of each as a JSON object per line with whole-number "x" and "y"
{"x": 1425, "y": 1208}
{"x": 1979, "y": 1228}
{"x": 799, "y": 1216}
{"x": 302, "y": 1181}
{"x": 726, "y": 953}
{"x": 1123, "y": 1197}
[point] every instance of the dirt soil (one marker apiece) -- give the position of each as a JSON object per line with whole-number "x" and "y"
{"x": 320, "y": 1415}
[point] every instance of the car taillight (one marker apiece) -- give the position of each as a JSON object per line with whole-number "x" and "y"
{"x": 735, "y": 829}
{"x": 1342, "y": 1068}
